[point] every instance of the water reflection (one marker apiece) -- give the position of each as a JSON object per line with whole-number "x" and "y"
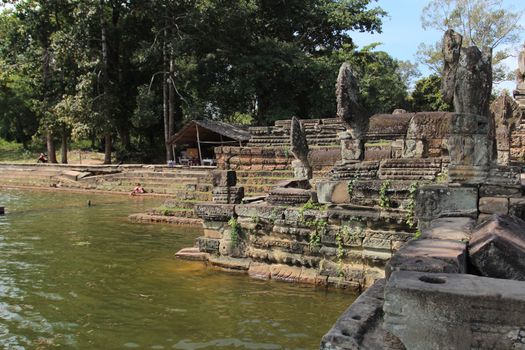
{"x": 79, "y": 277}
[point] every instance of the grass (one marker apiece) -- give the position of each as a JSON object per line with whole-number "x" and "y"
{"x": 12, "y": 152}
{"x": 15, "y": 153}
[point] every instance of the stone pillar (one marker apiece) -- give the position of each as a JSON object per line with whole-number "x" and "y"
{"x": 225, "y": 190}
{"x": 471, "y": 149}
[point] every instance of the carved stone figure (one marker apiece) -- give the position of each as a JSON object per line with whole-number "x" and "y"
{"x": 506, "y": 115}
{"x": 348, "y": 108}
{"x": 473, "y": 82}
{"x": 521, "y": 68}
{"x": 451, "y": 51}
{"x": 300, "y": 150}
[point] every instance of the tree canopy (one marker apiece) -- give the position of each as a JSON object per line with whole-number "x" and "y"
{"x": 120, "y": 71}
{"x": 487, "y": 24}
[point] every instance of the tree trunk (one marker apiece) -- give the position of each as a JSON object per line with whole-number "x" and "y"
{"x": 107, "y": 148}
{"x": 64, "y": 148}
{"x": 165, "y": 99}
{"x": 171, "y": 114}
{"x": 51, "y": 152}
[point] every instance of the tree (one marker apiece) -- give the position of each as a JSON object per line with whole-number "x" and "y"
{"x": 98, "y": 68}
{"x": 381, "y": 85}
{"x": 427, "y": 95}
{"x": 486, "y": 24}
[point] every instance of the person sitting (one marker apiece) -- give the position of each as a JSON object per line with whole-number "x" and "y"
{"x": 138, "y": 190}
{"x": 42, "y": 158}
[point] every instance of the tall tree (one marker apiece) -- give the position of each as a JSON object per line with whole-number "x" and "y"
{"x": 487, "y": 24}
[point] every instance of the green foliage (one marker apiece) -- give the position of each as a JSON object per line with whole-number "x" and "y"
{"x": 384, "y": 199}
{"x": 417, "y": 235}
{"x": 411, "y": 205}
{"x": 351, "y": 184}
{"x": 310, "y": 205}
{"x": 235, "y": 230}
{"x": 15, "y": 152}
{"x": 486, "y": 24}
{"x": 318, "y": 228}
{"x": 95, "y": 69}
{"x": 442, "y": 177}
{"x": 427, "y": 95}
{"x": 381, "y": 86}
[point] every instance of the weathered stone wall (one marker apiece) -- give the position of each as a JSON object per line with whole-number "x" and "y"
{"x": 345, "y": 247}
{"x": 273, "y": 158}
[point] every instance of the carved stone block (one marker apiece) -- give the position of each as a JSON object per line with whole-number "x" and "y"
{"x": 414, "y": 149}
{"x": 228, "y": 195}
{"x": 437, "y": 201}
{"x": 454, "y": 311}
{"x": 214, "y": 211}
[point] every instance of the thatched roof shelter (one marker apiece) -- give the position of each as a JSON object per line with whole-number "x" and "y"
{"x": 210, "y": 133}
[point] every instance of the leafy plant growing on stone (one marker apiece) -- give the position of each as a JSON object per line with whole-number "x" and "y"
{"x": 351, "y": 185}
{"x": 384, "y": 200}
{"x": 310, "y": 205}
{"x": 411, "y": 205}
{"x": 318, "y": 229}
{"x": 235, "y": 230}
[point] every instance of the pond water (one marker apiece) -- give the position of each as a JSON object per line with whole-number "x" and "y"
{"x": 79, "y": 277}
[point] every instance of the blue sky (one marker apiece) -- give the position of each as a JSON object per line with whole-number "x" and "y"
{"x": 402, "y": 31}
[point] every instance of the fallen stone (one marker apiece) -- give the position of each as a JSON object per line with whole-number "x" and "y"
{"x": 429, "y": 255}
{"x": 361, "y": 325}
{"x": 71, "y": 175}
{"x": 454, "y": 311}
{"x": 497, "y": 248}
{"x": 192, "y": 254}
{"x": 255, "y": 199}
{"x": 230, "y": 263}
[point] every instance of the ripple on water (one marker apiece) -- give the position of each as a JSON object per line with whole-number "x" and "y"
{"x": 84, "y": 278}
{"x": 187, "y": 344}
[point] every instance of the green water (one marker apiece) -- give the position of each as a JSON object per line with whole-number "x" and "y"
{"x": 79, "y": 277}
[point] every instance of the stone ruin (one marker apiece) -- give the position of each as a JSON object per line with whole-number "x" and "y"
{"x": 460, "y": 285}
{"x": 396, "y": 215}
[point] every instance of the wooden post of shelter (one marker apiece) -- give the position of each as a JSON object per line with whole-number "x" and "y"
{"x": 199, "y": 143}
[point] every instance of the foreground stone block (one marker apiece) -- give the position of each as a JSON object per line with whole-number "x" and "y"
{"x": 456, "y": 229}
{"x": 361, "y": 325}
{"x": 430, "y": 255}
{"x": 497, "y": 248}
{"x": 455, "y": 311}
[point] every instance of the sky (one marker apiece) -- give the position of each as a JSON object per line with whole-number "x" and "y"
{"x": 402, "y": 32}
